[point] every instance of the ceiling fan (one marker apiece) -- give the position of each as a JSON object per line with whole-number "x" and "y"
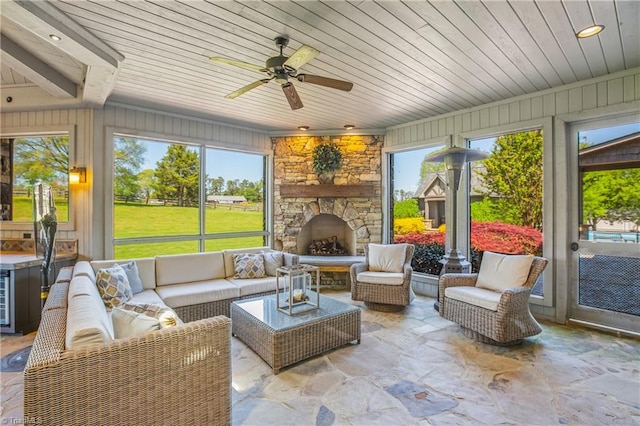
{"x": 280, "y": 68}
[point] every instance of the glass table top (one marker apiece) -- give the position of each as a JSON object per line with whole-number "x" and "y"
{"x": 264, "y": 309}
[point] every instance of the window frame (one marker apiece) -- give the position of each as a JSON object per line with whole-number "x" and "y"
{"x": 548, "y": 197}
{"x": 70, "y": 130}
{"x": 202, "y": 145}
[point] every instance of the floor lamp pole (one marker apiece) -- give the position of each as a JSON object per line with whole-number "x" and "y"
{"x": 454, "y": 158}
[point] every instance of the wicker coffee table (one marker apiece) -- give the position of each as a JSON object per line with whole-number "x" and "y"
{"x": 282, "y": 339}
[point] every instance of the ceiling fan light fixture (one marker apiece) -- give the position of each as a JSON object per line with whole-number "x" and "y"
{"x": 590, "y": 31}
{"x": 349, "y": 126}
{"x": 303, "y": 128}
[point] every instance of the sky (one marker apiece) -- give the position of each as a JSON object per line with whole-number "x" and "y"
{"x": 228, "y": 164}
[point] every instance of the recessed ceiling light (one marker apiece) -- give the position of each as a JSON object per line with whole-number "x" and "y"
{"x": 304, "y": 128}
{"x": 55, "y": 37}
{"x": 349, "y": 126}
{"x": 590, "y": 31}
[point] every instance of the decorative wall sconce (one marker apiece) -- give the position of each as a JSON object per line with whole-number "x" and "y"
{"x": 77, "y": 175}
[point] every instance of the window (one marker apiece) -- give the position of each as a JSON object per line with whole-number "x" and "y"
{"x": 506, "y": 200}
{"x": 28, "y": 160}
{"x": 418, "y": 194}
{"x": 166, "y": 202}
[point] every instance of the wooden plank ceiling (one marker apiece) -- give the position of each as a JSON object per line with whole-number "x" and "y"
{"x": 408, "y": 60}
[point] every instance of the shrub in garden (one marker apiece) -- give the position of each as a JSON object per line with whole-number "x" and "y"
{"x": 496, "y": 237}
{"x": 506, "y": 238}
{"x": 408, "y": 225}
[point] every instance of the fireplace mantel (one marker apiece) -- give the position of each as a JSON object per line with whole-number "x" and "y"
{"x": 326, "y": 191}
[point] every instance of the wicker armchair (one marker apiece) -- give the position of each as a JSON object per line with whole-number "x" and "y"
{"x": 382, "y": 290}
{"x": 508, "y": 325}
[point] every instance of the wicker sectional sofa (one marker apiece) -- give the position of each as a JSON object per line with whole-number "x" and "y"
{"x": 176, "y": 375}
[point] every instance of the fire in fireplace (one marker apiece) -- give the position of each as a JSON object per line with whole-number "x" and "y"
{"x": 327, "y": 247}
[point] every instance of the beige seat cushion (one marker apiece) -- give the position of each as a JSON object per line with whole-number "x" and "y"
{"x": 387, "y": 278}
{"x": 87, "y": 322}
{"x": 499, "y": 272}
{"x": 147, "y": 296}
{"x": 250, "y": 286}
{"x": 475, "y": 296}
{"x": 82, "y": 284}
{"x": 84, "y": 268}
{"x": 185, "y": 268}
{"x": 178, "y": 295}
{"x": 386, "y": 257}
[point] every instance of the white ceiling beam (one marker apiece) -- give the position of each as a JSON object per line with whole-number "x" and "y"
{"x": 102, "y": 61}
{"x": 31, "y": 98}
{"x": 36, "y": 70}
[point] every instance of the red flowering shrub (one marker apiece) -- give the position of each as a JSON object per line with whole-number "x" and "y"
{"x": 496, "y": 237}
{"x": 505, "y": 238}
{"x": 420, "y": 239}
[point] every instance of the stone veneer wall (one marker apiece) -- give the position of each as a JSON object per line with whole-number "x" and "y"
{"x": 361, "y": 164}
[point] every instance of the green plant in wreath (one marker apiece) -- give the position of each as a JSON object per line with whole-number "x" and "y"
{"x": 326, "y": 158}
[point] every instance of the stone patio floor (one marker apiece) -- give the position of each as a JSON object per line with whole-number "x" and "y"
{"x": 415, "y": 368}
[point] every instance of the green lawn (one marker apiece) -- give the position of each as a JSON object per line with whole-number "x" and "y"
{"x": 139, "y": 220}
{"x": 23, "y": 209}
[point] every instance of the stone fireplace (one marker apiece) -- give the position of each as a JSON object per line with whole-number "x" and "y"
{"x": 350, "y": 208}
{"x": 328, "y": 235}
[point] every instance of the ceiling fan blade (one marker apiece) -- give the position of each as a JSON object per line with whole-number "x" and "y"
{"x": 245, "y": 65}
{"x": 292, "y": 96}
{"x": 301, "y": 57}
{"x": 246, "y": 88}
{"x": 325, "y": 81}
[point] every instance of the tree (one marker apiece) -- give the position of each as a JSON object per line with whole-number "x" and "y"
{"x": 128, "y": 157}
{"x": 428, "y": 167}
{"x": 147, "y": 183}
{"x": 406, "y": 208}
{"x": 177, "y": 175}
{"x": 513, "y": 173}
{"x": 215, "y": 186}
{"x": 233, "y": 187}
{"x": 44, "y": 159}
{"x": 613, "y": 195}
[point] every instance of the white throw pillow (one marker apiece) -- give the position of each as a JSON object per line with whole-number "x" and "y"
{"x": 129, "y": 323}
{"x": 272, "y": 261}
{"x": 131, "y": 269}
{"x": 499, "y": 272}
{"x": 387, "y": 257}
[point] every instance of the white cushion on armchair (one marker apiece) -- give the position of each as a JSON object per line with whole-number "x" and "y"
{"x": 499, "y": 272}
{"x": 386, "y": 257}
{"x": 386, "y": 278}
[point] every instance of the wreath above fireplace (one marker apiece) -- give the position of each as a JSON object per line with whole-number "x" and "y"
{"x": 326, "y": 158}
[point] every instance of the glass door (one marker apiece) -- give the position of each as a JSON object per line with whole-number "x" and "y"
{"x": 605, "y": 261}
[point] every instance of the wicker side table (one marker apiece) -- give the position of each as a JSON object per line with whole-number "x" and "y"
{"x": 281, "y": 339}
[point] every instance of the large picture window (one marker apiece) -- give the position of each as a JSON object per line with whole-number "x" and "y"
{"x": 172, "y": 198}
{"x": 506, "y": 197}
